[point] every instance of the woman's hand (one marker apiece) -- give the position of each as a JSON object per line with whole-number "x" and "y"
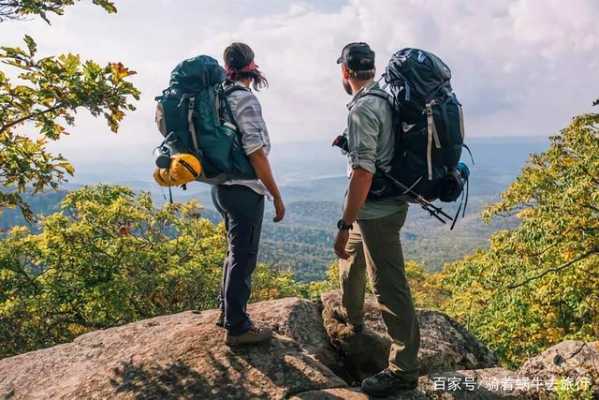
{"x": 259, "y": 161}
{"x": 279, "y": 209}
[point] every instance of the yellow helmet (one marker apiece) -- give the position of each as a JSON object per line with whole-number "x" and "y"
{"x": 161, "y": 177}
{"x": 184, "y": 168}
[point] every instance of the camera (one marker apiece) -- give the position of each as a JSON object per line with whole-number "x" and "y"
{"x": 341, "y": 142}
{"x": 163, "y": 155}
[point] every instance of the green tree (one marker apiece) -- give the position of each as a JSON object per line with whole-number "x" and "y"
{"x": 16, "y": 9}
{"x": 47, "y": 91}
{"x": 314, "y": 289}
{"x": 537, "y": 284}
{"x": 107, "y": 258}
{"x": 426, "y": 288}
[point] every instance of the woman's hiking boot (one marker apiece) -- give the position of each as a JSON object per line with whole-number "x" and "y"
{"x": 220, "y": 322}
{"x": 253, "y": 336}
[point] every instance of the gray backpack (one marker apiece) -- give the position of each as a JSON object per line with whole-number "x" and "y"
{"x": 429, "y": 128}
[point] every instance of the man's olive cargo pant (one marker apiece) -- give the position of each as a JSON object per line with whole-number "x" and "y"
{"x": 374, "y": 247}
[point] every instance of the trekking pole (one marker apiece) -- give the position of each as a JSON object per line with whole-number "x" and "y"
{"x": 433, "y": 213}
{"x": 433, "y": 210}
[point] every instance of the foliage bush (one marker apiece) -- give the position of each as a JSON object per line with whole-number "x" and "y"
{"x": 567, "y": 389}
{"x": 537, "y": 284}
{"x": 107, "y": 258}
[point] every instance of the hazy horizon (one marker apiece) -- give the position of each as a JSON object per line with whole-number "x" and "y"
{"x": 297, "y": 162}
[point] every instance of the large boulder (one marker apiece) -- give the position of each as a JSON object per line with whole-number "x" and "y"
{"x": 177, "y": 357}
{"x": 444, "y": 345}
{"x": 301, "y": 321}
{"x": 183, "y": 356}
{"x": 571, "y": 362}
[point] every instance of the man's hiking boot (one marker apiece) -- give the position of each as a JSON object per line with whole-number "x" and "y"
{"x": 386, "y": 383}
{"x": 253, "y": 336}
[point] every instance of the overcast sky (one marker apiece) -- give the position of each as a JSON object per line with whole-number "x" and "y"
{"x": 521, "y": 67}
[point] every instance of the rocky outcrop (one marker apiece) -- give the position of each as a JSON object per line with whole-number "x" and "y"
{"x": 445, "y": 345}
{"x": 572, "y": 361}
{"x": 179, "y": 356}
{"x": 183, "y": 356}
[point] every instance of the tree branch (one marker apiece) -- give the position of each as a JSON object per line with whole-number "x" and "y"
{"x": 8, "y": 10}
{"x": 21, "y": 272}
{"x": 539, "y": 254}
{"x": 32, "y": 115}
{"x": 556, "y": 269}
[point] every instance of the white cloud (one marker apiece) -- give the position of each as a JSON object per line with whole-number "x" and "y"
{"x": 520, "y": 67}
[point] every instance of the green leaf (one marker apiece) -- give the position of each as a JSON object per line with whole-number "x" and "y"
{"x": 107, "y": 5}
{"x": 31, "y": 45}
{"x": 51, "y": 90}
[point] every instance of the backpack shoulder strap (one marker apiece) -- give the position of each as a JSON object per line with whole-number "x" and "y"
{"x": 232, "y": 89}
{"x": 226, "y": 92}
{"x": 380, "y": 94}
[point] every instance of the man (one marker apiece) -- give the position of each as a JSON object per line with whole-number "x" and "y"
{"x": 368, "y": 236}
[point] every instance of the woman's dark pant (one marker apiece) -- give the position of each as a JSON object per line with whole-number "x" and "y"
{"x": 242, "y": 209}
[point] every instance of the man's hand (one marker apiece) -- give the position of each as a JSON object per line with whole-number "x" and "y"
{"x": 340, "y": 242}
{"x": 279, "y": 209}
{"x": 359, "y": 185}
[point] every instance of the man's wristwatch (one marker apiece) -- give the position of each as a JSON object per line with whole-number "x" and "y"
{"x": 342, "y": 226}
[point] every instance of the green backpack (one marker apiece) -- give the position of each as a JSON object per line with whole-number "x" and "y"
{"x": 191, "y": 116}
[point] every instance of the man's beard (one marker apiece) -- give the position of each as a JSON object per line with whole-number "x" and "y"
{"x": 347, "y": 87}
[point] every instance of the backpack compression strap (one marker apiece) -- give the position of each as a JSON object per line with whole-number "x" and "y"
{"x": 191, "y": 125}
{"x": 433, "y": 136}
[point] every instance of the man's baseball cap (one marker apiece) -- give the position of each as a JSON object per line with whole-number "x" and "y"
{"x": 358, "y": 56}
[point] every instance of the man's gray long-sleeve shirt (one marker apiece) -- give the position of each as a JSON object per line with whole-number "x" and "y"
{"x": 371, "y": 143}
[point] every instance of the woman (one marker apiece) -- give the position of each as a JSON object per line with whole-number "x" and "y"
{"x": 241, "y": 202}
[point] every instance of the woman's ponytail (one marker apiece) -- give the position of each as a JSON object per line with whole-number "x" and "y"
{"x": 239, "y": 64}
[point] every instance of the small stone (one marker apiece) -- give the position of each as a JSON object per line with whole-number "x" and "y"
{"x": 558, "y": 359}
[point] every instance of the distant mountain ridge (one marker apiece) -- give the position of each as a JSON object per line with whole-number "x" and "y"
{"x": 313, "y": 184}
